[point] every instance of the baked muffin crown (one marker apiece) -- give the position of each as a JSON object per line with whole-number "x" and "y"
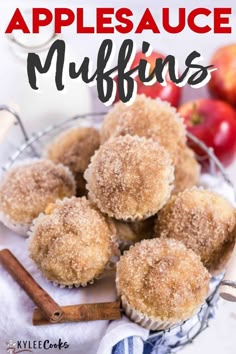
{"x": 204, "y": 221}
{"x": 130, "y": 178}
{"x": 74, "y": 243}
{"x": 187, "y": 171}
{"x": 74, "y": 148}
{"x": 146, "y": 117}
{"x": 162, "y": 279}
{"x": 27, "y": 189}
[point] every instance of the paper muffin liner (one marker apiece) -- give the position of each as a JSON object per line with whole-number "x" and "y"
{"x": 109, "y": 267}
{"x": 22, "y": 228}
{"x": 19, "y": 228}
{"x": 149, "y": 323}
{"x": 71, "y": 286}
{"x": 138, "y": 216}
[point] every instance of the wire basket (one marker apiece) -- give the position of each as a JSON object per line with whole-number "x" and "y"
{"x": 161, "y": 342}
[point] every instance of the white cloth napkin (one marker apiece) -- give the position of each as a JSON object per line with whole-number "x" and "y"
{"x": 85, "y": 337}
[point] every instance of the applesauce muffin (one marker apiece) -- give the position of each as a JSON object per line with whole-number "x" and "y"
{"x": 204, "y": 221}
{"x": 161, "y": 283}
{"x": 27, "y": 189}
{"x": 74, "y": 148}
{"x": 129, "y": 233}
{"x": 146, "y": 117}
{"x": 130, "y": 178}
{"x": 187, "y": 171}
{"x": 73, "y": 243}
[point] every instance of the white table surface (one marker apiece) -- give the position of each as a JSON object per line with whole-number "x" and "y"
{"x": 220, "y": 338}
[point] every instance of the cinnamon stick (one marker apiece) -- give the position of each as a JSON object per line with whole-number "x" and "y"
{"x": 85, "y": 312}
{"x": 48, "y": 306}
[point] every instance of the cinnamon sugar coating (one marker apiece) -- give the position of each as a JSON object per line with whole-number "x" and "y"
{"x": 74, "y": 148}
{"x": 130, "y": 178}
{"x": 26, "y": 190}
{"x": 73, "y": 243}
{"x": 162, "y": 279}
{"x": 187, "y": 171}
{"x": 204, "y": 222}
{"x": 154, "y": 119}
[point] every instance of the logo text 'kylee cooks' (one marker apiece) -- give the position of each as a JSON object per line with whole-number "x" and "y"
{"x": 29, "y": 346}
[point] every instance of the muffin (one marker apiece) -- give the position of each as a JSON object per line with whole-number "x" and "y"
{"x": 26, "y": 190}
{"x": 161, "y": 283}
{"x": 204, "y": 222}
{"x": 187, "y": 171}
{"x": 74, "y": 149}
{"x": 130, "y": 178}
{"x": 129, "y": 233}
{"x": 73, "y": 243}
{"x": 146, "y": 117}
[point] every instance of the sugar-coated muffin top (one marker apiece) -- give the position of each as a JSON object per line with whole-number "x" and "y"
{"x": 204, "y": 221}
{"x": 162, "y": 279}
{"x": 73, "y": 243}
{"x": 147, "y": 117}
{"x": 26, "y": 190}
{"x": 187, "y": 171}
{"x": 74, "y": 149}
{"x": 130, "y": 178}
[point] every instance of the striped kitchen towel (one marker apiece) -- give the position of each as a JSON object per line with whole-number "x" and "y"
{"x": 123, "y": 337}
{"x": 136, "y": 345}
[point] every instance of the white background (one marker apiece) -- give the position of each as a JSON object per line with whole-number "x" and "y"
{"x": 220, "y": 338}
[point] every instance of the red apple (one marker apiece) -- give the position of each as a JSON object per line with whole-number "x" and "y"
{"x": 213, "y": 122}
{"x": 170, "y": 92}
{"x": 223, "y": 81}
